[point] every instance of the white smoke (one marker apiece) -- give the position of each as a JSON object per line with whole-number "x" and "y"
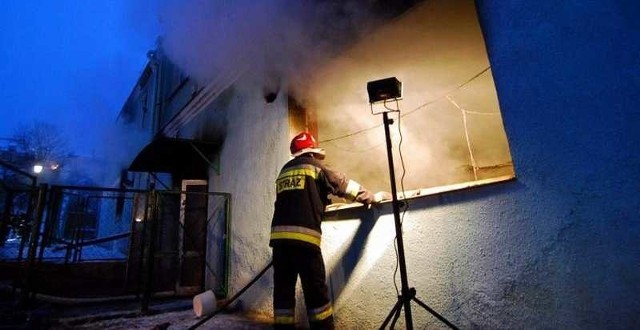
{"x": 276, "y": 39}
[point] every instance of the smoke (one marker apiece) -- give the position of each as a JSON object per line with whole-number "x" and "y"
{"x": 436, "y": 50}
{"x": 433, "y": 49}
{"x": 120, "y": 145}
{"x": 277, "y": 40}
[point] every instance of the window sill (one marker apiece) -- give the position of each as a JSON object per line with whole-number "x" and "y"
{"x": 419, "y": 193}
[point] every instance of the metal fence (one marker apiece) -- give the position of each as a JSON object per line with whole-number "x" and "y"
{"x": 88, "y": 242}
{"x": 17, "y": 194}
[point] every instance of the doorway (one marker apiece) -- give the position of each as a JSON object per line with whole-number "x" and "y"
{"x": 192, "y": 236}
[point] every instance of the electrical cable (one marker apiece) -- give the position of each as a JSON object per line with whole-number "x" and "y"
{"x": 405, "y": 204}
{"x": 404, "y": 169}
{"x": 353, "y": 150}
{"x": 466, "y": 82}
{"x": 395, "y": 271}
{"x": 232, "y": 299}
{"x": 449, "y": 93}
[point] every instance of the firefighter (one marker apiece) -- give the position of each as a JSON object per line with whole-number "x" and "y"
{"x": 302, "y": 187}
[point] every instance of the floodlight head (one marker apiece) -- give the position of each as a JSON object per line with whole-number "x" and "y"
{"x": 384, "y": 89}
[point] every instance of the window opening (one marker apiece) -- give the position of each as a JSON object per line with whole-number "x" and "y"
{"x": 453, "y": 135}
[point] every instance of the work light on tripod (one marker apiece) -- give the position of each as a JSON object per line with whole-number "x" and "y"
{"x": 381, "y": 91}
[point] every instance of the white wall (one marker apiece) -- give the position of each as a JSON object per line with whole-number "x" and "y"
{"x": 255, "y": 147}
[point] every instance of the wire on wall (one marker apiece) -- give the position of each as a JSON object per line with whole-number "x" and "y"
{"x": 474, "y": 164}
{"x": 474, "y": 77}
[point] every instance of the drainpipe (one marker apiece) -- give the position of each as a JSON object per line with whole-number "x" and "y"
{"x": 156, "y": 62}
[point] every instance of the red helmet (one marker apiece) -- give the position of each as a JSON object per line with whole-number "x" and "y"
{"x": 304, "y": 143}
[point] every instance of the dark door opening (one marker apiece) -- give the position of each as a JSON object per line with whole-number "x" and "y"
{"x": 192, "y": 237}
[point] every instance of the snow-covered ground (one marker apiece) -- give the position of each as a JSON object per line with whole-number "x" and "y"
{"x": 11, "y": 251}
{"x": 182, "y": 319}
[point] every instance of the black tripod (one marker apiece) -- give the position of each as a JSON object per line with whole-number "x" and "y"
{"x": 408, "y": 294}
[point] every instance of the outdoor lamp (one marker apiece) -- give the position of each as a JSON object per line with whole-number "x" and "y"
{"x": 37, "y": 168}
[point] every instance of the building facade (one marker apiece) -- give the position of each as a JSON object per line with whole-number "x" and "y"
{"x": 521, "y": 165}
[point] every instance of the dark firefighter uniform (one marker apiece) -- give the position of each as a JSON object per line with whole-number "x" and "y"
{"x": 302, "y": 187}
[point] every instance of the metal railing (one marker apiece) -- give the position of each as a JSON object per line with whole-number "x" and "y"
{"x": 90, "y": 242}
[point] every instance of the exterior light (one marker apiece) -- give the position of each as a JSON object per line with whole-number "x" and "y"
{"x": 384, "y": 89}
{"x": 37, "y": 168}
{"x": 138, "y": 219}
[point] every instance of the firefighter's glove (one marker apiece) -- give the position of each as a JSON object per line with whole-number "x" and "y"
{"x": 381, "y": 196}
{"x": 365, "y": 197}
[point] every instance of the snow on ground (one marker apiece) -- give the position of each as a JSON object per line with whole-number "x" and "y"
{"x": 172, "y": 320}
{"x": 11, "y": 251}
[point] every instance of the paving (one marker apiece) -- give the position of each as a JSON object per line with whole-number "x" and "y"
{"x": 168, "y": 313}
{"x": 166, "y": 320}
{"x": 164, "y": 314}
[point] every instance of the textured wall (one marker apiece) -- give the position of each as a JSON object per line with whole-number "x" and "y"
{"x": 252, "y": 155}
{"x": 555, "y": 248}
{"x": 567, "y": 79}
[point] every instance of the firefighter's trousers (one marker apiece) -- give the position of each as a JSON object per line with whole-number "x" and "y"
{"x": 289, "y": 262}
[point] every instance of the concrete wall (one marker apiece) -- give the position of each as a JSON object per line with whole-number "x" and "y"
{"x": 555, "y": 248}
{"x": 567, "y": 80}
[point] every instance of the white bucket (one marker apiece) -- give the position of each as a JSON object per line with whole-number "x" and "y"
{"x": 204, "y": 303}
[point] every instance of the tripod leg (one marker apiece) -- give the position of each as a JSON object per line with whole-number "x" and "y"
{"x": 438, "y": 316}
{"x": 395, "y": 318}
{"x": 395, "y": 313}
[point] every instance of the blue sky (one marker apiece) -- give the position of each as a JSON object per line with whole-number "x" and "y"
{"x": 71, "y": 63}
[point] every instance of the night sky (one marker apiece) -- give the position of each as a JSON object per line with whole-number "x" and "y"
{"x": 72, "y": 63}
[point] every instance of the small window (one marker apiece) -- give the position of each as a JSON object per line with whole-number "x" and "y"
{"x": 451, "y": 132}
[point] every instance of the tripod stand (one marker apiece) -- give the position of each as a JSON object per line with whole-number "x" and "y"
{"x": 408, "y": 294}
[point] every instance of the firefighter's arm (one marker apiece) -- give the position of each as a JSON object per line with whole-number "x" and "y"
{"x": 351, "y": 190}
{"x": 356, "y": 192}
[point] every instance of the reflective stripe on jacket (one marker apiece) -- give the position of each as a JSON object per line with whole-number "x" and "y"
{"x": 299, "y": 233}
{"x": 302, "y": 188}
